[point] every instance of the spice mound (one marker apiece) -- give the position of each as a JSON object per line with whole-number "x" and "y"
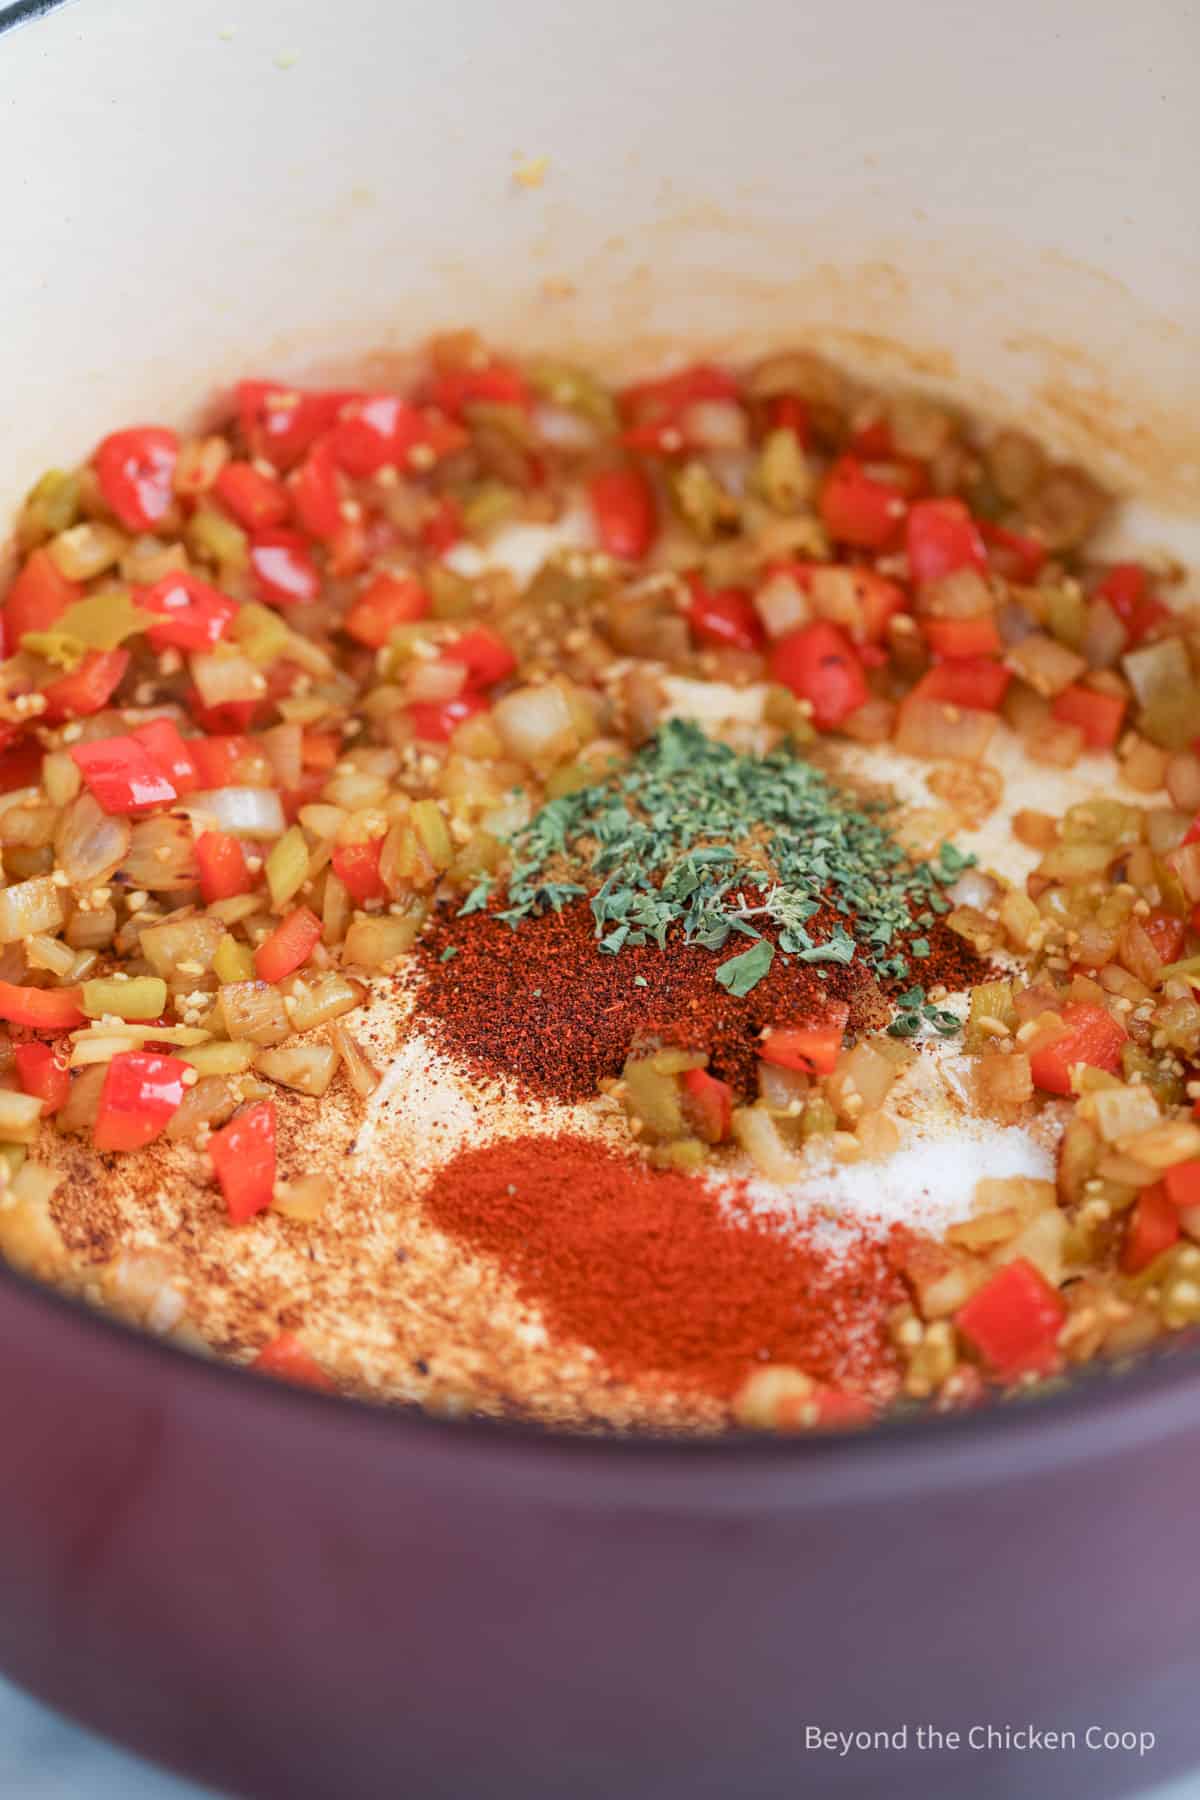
{"x": 663, "y": 1276}
{"x": 697, "y": 898}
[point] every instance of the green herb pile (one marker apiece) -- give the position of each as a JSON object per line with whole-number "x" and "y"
{"x": 694, "y": 836}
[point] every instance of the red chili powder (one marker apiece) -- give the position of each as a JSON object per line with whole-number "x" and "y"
{"x": 544, "y": 1004}
{"x": 661, "y": 1276}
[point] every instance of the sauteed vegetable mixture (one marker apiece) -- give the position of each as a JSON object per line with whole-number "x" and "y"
{"x": 278, "y": 732}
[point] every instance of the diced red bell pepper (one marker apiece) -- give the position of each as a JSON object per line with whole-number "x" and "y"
{"x": 385, "y": 603}
{"x": 20, "y": 763}
{"x": 1091, "y": 1036}
{"x": 974, "y": 681}
{"x": 357, "y": 868}
{"x": 707, "y": 1105}
{"x": 942, "y": 537}
{"x": 320, "y": 749}
{"x": 1098, "y": 715}
{"x": 42, "y": 1009}
{"x": 136, "y": 472}
{"x": 141, "y": 1094}
{"x": 283, "y": 568}
{"x": 880, "y": 601}
{"x": 857, "y": 509}
{"x": 287, "y": 1360}
{"x": 723, "y": 617}
{"x": 309, "y": 790}
{"x": 1012, "y": 554}
{"x": 960, "y": 639}
{"x": 787, "y": 412}
{"x": 657, "y": 437}
{"x": 171, "y": 751}
{"x": 487, "y": 657}
{"x": 234, "y": 717}
{"x": 316, "y": 495}
{"x": 195, "y": 616}
{"x": 219, "y": 759}
{"x": 374, "y": 431}
{"x": 1013, "y": 1321}
{"x": 667, "y": 396}
{"x": 840, "y": 1410}
{"x": 436, "y": 721}
{"x": 243, "y": 1159}
{"x": 495, "y": 384}
{"x": 819, "y": 664}
{"x": 1182, "y": 1183}
{"x": 444, "y": 526}
{"x": 381, "y": 430}
{"x": 1166, "y": 933}
{"x": 86, "y": 689}
{"x": 42, "y": 1074}
{"x": 37, "y": 598}
{"x": 346, "y": 551}
{"x": 873, "y": 441}
{"x": 1152, "y": 1228}
{"x": 289, "y": 946}
{"x": 122, "y": 775}
{"x": 623, "y": 512}
{"x": 222, "y": 865}
{"x": 257, "y": 501}
{"x": 1126, "y": 587}
{"x": 279, "y": 422}
{"x": 813, "y": 1049}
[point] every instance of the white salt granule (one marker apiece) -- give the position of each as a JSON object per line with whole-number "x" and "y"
{"x": 929, "y": 1183}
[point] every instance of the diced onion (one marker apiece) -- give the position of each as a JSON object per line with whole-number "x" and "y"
{"x": 536, "y": 724}
{"x": 715, "y": 425}
{"x": 564, "y": 430}
{"x": 360, "y": 1071}
{"x": 284, "y": 745}
{"x": 317, "y": 1001}
{"x": 372, "y": 943}
{"x": 963, "y": 594}
{"x": 210, "y": 1102}
{"x": 304, "y": 1199}
{"x": 308, "y": 1068}
{"x": 29, "y": 907}
{"x": 758, "y": 1135}
{"x": 1159, "y": 670}
{"x": 1045, "y": 664}
{"x": 1186, "y": 863}
{"x": 254, "y": 1010}
{"x": 435, "y": 681}
{"x": 223, "y": 680}
{"x": 1104, "y": 636}
{"x": 243, "y": 811}
{"x": 90, "y": 843}
{"x": 932, "y": 728}
{"x": 781, "y": 605}
{"x": 1183, "y": 780}
{"x": 178, "y": 941}
{"x": 161, "y": 855}
{"x": 973, "y": 889}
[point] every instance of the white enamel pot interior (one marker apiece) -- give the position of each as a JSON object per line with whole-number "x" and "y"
{"x": 999, "y": 199}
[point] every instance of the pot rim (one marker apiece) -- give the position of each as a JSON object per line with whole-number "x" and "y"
{"x": 1105, "y": 1411}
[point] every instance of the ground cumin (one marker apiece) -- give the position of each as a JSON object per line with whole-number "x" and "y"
{"x": 662, "y": 1275}
{"x": 543, "y": 1004}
